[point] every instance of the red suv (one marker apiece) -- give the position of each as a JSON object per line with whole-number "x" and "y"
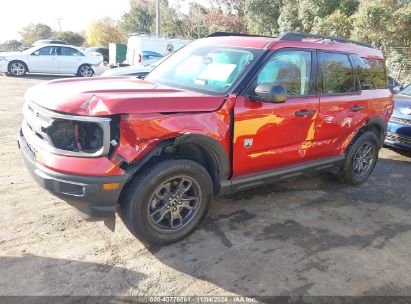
{"x": 223, "y": 114}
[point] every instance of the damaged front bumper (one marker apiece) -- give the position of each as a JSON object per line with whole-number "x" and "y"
{"x": 88, "y": 194}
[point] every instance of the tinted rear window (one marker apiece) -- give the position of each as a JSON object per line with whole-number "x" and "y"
{"x": 337, "y": 74}
{"x": 371, "y": 73}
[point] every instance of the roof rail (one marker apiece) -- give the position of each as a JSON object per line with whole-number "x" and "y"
{"x": 225, "y": 34}
{"x": 296, "y": 36}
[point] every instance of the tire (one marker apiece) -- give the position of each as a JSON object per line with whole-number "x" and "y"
{"x": 154, "y": 198}
{"x": 17, "y": 68}
{"x": 85, "y": 70}
{"x": 358, "y": 165}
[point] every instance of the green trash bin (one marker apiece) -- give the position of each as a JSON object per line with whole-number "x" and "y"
{"x": 117, "y": 53}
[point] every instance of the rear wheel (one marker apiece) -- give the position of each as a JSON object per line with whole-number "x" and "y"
{"x": 17, "y": 68}
{"x": 360, "y": 160}
{"x": 166, "y": 202}
{"x": 85, "y": 70}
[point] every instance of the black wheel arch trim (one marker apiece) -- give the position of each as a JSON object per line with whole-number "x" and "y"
{"x": 213, "y": 147}
{"x": 379, "y": 122}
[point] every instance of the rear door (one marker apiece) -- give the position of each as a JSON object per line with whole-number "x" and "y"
{"x": 268, "y": 135}
{"x": 44, "y": 60}
{"x": 69, "y": 60}
{"x": 343, "y": 106}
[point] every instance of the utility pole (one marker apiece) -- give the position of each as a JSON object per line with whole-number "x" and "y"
{"x": 158, "y": 18}
{"x": 58, "y": 20}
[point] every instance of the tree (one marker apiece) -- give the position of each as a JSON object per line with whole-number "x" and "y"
{"x": 289, "y": 20}
{"x": 70, "y": 37}
{"x": 103, "y": 32}
{"x": 335, "y": 24}
{"x": 383, "y": 23}
{"x": 12, "y": 45}
{"x": 193, "y": 24}
{"x": 140, "y": 18}
{"x": 33, "y": 32}
{"x": 170, "y": 24}
{"x": 217, "y": 22}
{"x": 262, "y": 16}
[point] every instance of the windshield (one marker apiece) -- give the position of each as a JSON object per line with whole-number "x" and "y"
{"x": 406, "y": 90}
{"x": 158, "y": 61}
{"x": 204, "y": 68}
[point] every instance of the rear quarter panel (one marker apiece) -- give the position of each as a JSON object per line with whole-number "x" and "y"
{"x": 380, "y": 103}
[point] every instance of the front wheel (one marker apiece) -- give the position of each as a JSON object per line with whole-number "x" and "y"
{"x": 85, "y": 70}
{"x": 360, "y": 160}
{"x": 17, "y": 68}
{"x": 166, "y": 202}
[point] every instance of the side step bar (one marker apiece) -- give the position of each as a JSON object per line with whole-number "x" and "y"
{"x": 252, "y": 180}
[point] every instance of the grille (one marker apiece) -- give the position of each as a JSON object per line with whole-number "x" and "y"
{"x": 34, "y": 125}
{"x": 398, "y": 138}
{"x": 401, "y": 120}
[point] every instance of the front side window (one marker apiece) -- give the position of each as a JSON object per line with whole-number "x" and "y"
{"x": 46, "y": 51}
{"x": 291, "y": 69}
{"x": 204, "y": 68}
{"x": 371, "y": 73}
{"x": 337, "y": 74}
{"x": 66, "y": 51}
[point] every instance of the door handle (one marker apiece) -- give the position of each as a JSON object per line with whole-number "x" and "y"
{"x": 305, "y": 113}
{"x": 356, "y": 108}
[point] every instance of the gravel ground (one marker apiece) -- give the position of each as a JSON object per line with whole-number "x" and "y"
{"x": 303, "y": 236}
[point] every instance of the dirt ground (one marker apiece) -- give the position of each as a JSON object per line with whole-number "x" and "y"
{"x": 303, "y": 236}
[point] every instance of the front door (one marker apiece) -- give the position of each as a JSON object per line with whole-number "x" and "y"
{"x": 269, "y": 135}
{"x": 44, "y": 60}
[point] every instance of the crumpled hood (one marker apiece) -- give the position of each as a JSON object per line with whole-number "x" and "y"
{"x": 118, "y": 95}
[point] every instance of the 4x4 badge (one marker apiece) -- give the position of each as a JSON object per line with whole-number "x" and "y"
{"x": 248, "y": 142}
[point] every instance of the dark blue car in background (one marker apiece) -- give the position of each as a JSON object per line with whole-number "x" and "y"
{"x": 399, "y": 126}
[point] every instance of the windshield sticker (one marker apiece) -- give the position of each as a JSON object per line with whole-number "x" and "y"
{"x": 218, "y": 71}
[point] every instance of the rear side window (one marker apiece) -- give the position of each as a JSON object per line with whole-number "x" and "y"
{"x": 371, "y": 73}
{"x": 337, "y": 74}
{"x": 65, "y": 51}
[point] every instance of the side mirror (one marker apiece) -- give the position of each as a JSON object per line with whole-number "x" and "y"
{"x": 397, "y": 89}
{"x": 269, "y": 92}
{"x": 36, "y": 53}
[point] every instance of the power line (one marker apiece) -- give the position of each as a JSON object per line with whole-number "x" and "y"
{"x": 58, "y": 20}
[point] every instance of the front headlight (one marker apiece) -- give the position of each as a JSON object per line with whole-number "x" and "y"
{"x": 70, "y": 135}
{"x": 2, "y": 58}
{"x": 76, "y": 136}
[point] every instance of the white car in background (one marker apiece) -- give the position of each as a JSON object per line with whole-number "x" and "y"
{"x": 51, "y": 59}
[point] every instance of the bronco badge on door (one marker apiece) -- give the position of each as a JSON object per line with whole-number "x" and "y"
{"x": 248, "y": 142}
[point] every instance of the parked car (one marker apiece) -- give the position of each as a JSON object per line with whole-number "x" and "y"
{"x": 392, "y": 84}
{"x": 49, "y": 41}
{"x": 137, "y": 71}
{"x": 399, "y": 126}
{"x": 50, "y": 59}
{"x": 103, "y": 51}
{"x": 221, "y": 115}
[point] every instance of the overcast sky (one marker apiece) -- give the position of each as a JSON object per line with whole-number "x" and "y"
{"x": 76, "y": 14}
